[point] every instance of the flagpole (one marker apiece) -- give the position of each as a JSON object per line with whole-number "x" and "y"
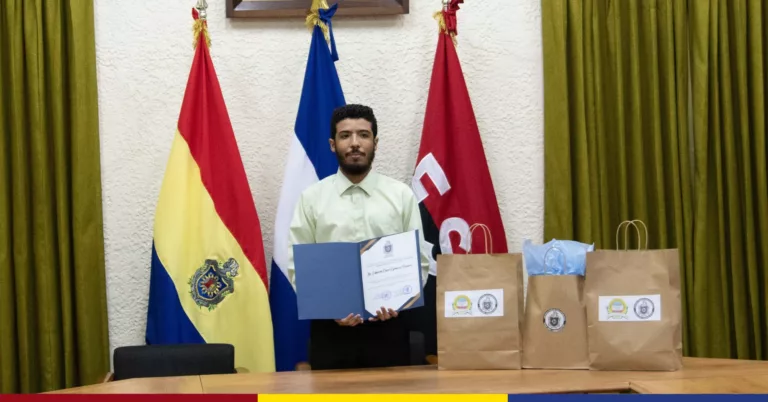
{"x": 202, "y": 9}
{"x": 200, "y": 27}
{"x": 446, "y": 18}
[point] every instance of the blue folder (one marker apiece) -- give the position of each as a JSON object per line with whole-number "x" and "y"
{"x": 329, "y": 281}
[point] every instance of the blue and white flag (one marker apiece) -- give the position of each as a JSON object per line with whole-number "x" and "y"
{"x": 309, "y": 160}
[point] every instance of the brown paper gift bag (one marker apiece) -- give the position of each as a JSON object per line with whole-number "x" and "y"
{"x": 634, "y": 308}
{"x": 555, "y": 326}
{"x": 479, "y": 310}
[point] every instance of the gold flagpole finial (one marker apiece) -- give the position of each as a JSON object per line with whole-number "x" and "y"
{"x": 200, "y": 14}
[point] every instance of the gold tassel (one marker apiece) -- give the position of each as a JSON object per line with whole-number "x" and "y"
{"x": 440, "y": 17}
{"x": 313, "y": 18}
{"x": 200, "y": 27}
{"x": 440, "y": 21}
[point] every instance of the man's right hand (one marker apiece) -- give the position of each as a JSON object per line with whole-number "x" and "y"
{"x": 350, "y": 320}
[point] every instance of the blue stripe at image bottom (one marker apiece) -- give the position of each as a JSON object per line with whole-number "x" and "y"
{"x": 644, "y": 397}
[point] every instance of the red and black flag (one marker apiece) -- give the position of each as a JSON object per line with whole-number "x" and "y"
{"x": 451, "y": 180}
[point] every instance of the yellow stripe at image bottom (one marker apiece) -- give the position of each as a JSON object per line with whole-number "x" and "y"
{"x": 382, "y": 398}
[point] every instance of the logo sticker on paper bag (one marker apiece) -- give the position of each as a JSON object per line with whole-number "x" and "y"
{"x": 554, "y": 320}
{"x": 630, "y": 308}
{"x": 474, "y": 303}
{"x": 461, "y": 305}
{"x": 487, "y": 304}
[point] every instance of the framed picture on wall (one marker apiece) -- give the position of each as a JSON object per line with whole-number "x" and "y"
{"x": 300, "y": 8}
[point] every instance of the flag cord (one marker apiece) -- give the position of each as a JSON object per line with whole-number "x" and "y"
{"x": 313, "y": 18}
{"x": 446, "y": 18}
{"x": 320, "y": 15}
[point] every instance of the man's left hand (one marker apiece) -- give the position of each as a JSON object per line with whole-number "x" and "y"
{"x": 384, "y": 314}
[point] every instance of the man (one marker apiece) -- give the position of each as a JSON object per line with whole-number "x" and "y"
{"x": 353, "y": 205}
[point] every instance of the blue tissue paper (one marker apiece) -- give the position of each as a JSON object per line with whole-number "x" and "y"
{"x": 556, "y": 257}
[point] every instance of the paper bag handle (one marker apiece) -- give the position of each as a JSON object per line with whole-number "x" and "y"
{"x": 565, "y": 258}
{"x": 626, "y": 229}
{"x": 486, "y": 236}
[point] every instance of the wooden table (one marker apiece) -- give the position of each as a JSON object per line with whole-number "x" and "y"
{"x": 167, "y": 385}
{"x": 749, "y": 384}
{"x": 697, "y": 376}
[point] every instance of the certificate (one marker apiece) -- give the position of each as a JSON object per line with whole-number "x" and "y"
{"x": 334, "y": 280}
{"x": 391, "y": 272}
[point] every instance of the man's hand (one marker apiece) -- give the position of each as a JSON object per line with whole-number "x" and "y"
{"x": 384, "y": 314}
{"x": 350, "y": 320}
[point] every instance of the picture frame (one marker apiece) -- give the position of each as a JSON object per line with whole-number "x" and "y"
{"x": 300, "y": 8}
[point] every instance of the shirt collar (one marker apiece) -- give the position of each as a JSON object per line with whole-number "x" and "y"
{"x": 343, "y": 184}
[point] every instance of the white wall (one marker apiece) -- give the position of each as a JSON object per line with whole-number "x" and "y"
{"x": 144, "y": 51}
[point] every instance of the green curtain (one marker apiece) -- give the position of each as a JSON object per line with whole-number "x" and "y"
{"x": 616, "y": 130}
{"x": 618, "y": 146}
{"x": 730, "y": 265}
{"x": 53, "y": 320}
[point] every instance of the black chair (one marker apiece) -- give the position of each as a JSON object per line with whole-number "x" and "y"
{"x": 173, "y": 360}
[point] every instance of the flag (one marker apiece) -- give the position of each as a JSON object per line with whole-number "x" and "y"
{"x": 309, "y": 160}
{"x": 451, "y": 180}
{"x": 208, "y": 281}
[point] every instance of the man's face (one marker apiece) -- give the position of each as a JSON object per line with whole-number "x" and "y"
{"x": 354, "y": 145}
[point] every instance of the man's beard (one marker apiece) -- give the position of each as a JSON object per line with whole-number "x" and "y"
{"x": 354, "y": 169}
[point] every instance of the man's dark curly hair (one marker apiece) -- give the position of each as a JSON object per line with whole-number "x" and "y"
{"x": 353, "y": 112}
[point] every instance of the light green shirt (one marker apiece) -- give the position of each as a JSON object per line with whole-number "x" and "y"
{"x": 337, "y": 210}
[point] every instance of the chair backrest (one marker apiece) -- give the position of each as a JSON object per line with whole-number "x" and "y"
{"x": 173, "y": 360}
